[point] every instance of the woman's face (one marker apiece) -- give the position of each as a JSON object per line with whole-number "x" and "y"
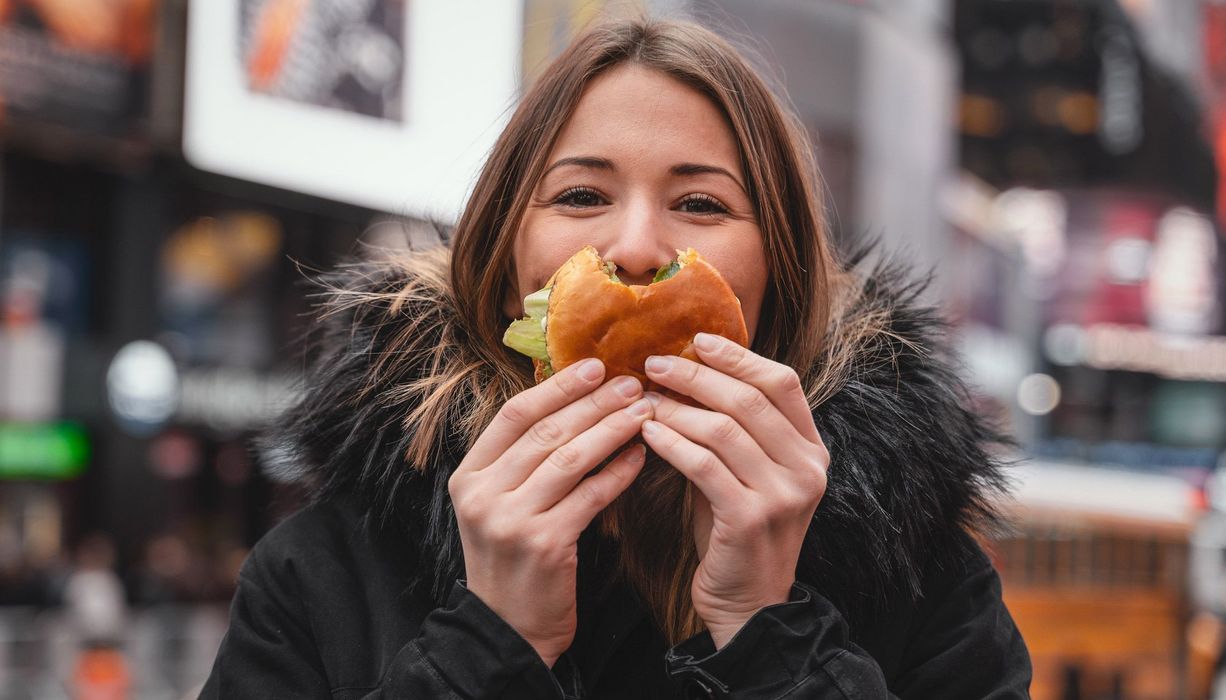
{"x": 645, "y": 166}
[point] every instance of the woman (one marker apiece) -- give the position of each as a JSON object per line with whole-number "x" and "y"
{"x": 460, "y": 544}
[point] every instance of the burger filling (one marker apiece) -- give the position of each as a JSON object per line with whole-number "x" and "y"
{"x": 527, "y": 335}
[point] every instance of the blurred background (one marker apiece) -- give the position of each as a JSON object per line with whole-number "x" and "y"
{"x": 170, "y": 169}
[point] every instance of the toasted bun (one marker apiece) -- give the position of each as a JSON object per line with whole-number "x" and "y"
{"x": 591, "y": 315}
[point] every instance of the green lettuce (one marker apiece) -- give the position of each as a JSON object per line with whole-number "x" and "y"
{"x": 527, "y": 335}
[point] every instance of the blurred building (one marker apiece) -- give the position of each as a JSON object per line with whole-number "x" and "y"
{"x": 169, "y": 169}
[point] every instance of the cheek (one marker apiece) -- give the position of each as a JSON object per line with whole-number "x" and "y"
{"x": 742, "y": 262}
{"x": 539, "y": 250}
{"x": 750, "y": 289}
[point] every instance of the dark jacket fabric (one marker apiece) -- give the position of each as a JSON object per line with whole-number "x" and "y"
{"x": 361, "y": 595}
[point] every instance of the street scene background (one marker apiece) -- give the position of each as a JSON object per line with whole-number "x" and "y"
{"x": 171, "y": 171}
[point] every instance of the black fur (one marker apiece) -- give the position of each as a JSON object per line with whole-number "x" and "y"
{"x": 913, "y": 467}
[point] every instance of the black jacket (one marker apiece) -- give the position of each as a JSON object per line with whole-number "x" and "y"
{"x": 362, "y": 595}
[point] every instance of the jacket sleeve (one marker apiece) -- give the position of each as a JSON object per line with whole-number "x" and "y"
{"x": 966, "y": 647}
{"x": 462, "y": 650}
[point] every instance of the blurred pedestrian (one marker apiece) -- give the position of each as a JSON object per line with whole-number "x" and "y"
{"x": 96, "y": 608}
{"x": 94, "y": 597}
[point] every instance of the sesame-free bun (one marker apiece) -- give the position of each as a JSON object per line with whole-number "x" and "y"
{"x": 592, "y": 315}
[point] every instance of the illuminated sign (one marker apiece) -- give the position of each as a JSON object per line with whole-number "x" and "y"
{"x": 1110, "y": 346}
{"x": 42, "y": 451}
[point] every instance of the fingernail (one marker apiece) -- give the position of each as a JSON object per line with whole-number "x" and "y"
{"x": 659, "y": 364}
{"x": 653, "y": 397}
{"x": 628, "y": 387}
{"x": 639, "y": 408}
{"x": 636, "y": 454}
{"x": 707, "y": 342}
{"x": 650, "y": 429}
{"x": 590, "y": 370}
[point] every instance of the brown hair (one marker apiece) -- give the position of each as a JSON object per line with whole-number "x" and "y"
{"x": 805, "y": 284}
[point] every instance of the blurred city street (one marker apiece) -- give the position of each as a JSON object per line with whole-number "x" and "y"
{"x": 172, "y": 170}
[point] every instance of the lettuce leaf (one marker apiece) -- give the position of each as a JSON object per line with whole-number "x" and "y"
{"x": 528, "y": 337}
{"x": 666, "y": 272}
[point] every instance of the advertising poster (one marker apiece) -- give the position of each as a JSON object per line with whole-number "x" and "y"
{"x": 327, "y": 53}
{"x": 385, "y": 104}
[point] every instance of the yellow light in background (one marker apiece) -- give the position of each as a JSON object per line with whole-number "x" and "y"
{"x": 981, "y": 116}
{"x": 1078, "y": 112}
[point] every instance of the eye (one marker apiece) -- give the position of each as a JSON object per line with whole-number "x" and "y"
{"x": 579, "y": 198}
{"x": 701, "y": 204}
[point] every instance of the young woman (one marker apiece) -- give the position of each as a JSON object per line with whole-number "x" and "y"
{"x": 806, "y": 533}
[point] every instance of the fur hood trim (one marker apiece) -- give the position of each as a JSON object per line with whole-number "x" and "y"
{"x": 913, "y": 469}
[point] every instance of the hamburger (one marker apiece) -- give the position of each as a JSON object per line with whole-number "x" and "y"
{"x": 586, "y": 311}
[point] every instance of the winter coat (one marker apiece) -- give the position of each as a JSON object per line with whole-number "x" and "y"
{"x": 361, "y": 594}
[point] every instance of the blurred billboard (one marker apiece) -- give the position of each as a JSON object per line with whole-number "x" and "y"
{"x": 80, "y": 66}
{"x": 378, "y": 103}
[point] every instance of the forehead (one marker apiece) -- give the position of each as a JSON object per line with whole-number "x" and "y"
{"x": 640, "y": 112}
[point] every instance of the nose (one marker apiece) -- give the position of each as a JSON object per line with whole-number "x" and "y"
{"x": 638, "y": 243}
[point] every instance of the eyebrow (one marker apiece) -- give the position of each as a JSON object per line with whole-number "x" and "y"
{"x": 700, "y": 169}
{"x": 582, "y": 161}
{"x": 679, "y": 169}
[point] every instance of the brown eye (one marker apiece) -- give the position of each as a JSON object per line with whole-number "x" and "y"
{"x": 579, "y": 197}
{"x": 702, "y": 204}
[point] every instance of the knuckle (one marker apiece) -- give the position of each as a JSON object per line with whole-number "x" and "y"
{"x": 594, "y": 400}
{"x": 568, "y": 384}
{"x": 690, "y": 371}
{"x": 619, "y": 426}
{"x": 750, "y": 399}
{"x": 726, "y": 429}
{"x": 787, "y": 380}
{"x": 590, "y": 494}
{"x": 602, "y": 401}
{"x": 538, "y": 544}
{"x": 823, "y": 458}
{"x": 819, "y": 481}
{"x": 515, "y": 411}
{"x": 502, "y": 532}
{"x": 664, "y": 409}
{"x": 708, "y": 463}
{"x": 796, "y": 501}
{"x": 545, "y": 432}
{"x": 464, "y": 502}
{"x": 565, "y": 458}
{"x": 671, "y": 440}
{"x": 737, "y": 355}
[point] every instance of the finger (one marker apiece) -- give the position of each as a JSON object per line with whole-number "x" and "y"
{"x": 592, "y": 495}
{"x": 565, "y": 467}
{"x": 553, "y": 432}
{"x": 751, "y": 408}
{"x": 777, "y": 381}
{"x": 698, "y": 464}
{"x": 528, "y": 407}
{"x": 721, "y": 434}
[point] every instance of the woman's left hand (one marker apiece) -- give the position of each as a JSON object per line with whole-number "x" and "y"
{"x": 759, "y": 464}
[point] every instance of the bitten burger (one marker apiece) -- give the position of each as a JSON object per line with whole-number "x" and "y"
{"x": 586, "y": 311}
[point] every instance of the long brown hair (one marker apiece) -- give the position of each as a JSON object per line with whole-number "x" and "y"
{"x": 805, "y": 284}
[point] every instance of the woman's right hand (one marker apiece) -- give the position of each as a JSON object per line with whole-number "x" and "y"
{"x": 521, "y": 498}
